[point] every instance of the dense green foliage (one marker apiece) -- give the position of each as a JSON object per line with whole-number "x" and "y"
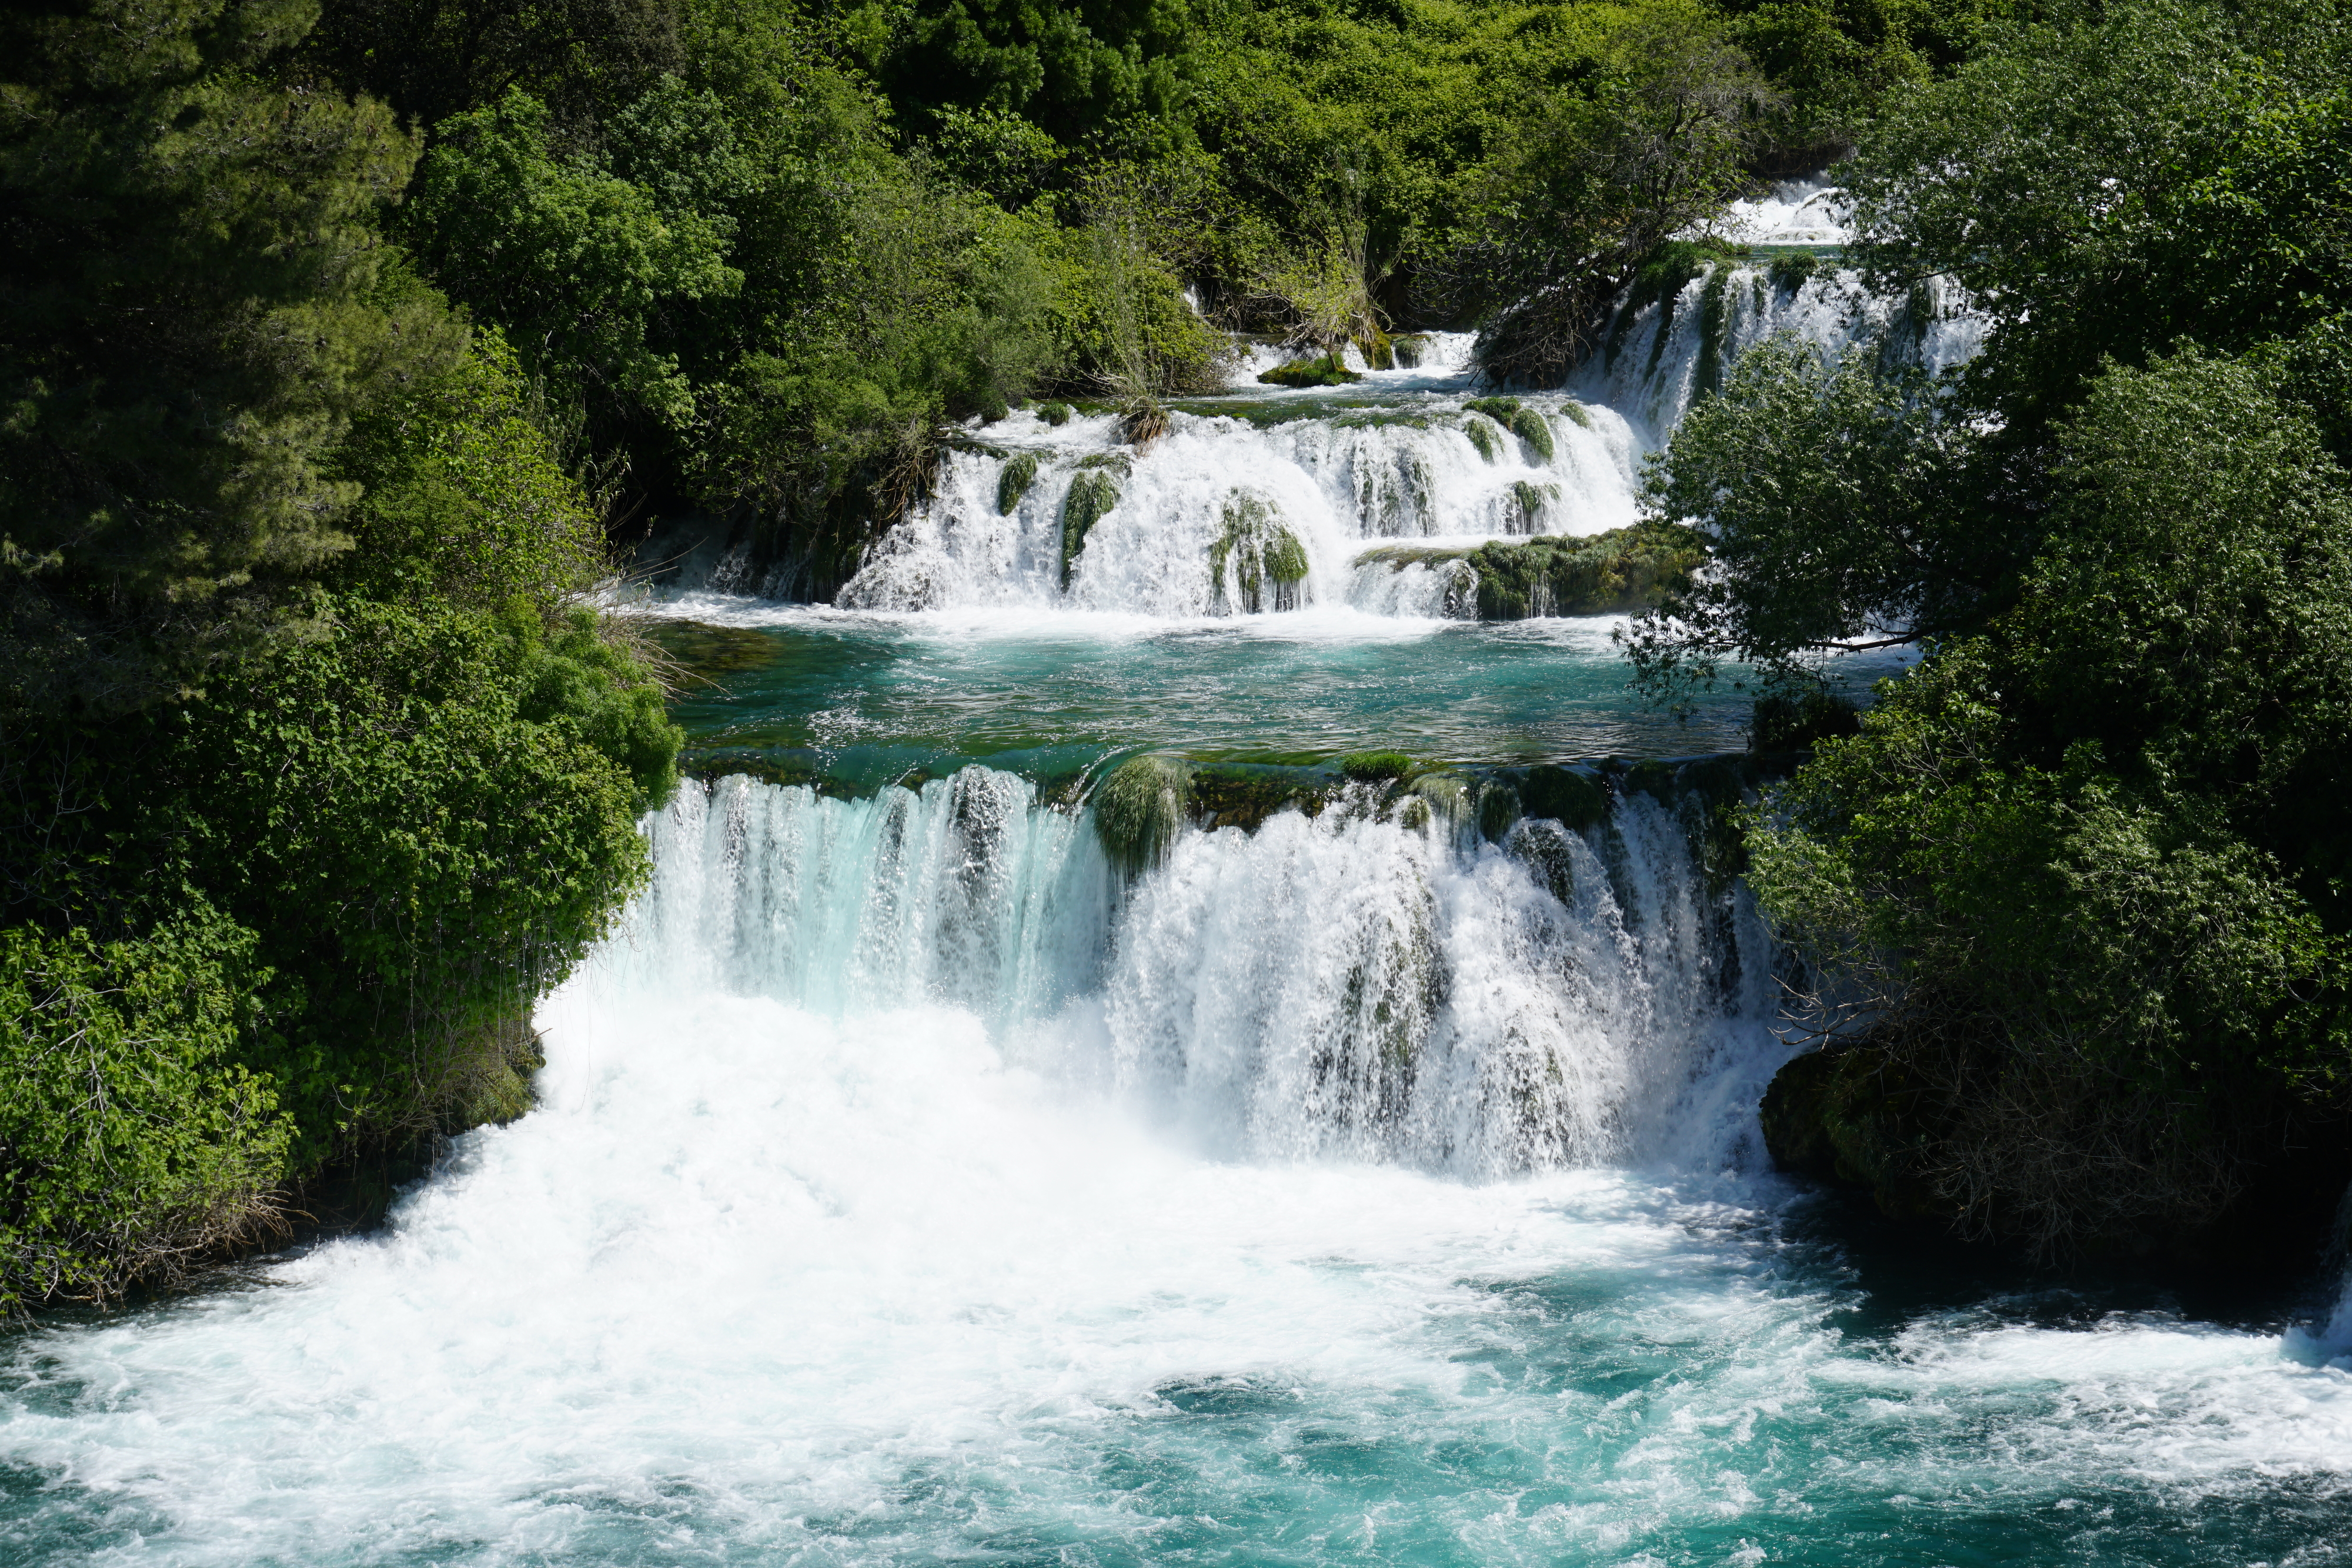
{"x": 756, "y": 256}
{"x": 187, "y": 319}
{"x": 318, "y": 770}
{"x": 134, "y": 1142}
{"x": 2074, "y": 895}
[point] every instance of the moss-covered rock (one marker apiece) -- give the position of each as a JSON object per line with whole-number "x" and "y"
{"x": 1380, "y": 352}
{"x": 1521, "y": 420}
{"x": 1575, "y": 800}
{"x": 1056, "y": 414}
{"x": 1528, "y": 501}
{"x": 1612, "y": 573}
{"x": 1092, "y": 493}
{"x": 1482, "y": 435}
{"x": 1383, "y": 420}
{"x": 1255, "y": 563}
{"x": 1326, "y": 371}
{"x": 1140, "y": 808}
{"x": 1578, "y": 414}
{"x": 1543, "y": 847}
{"x": 1373, "y": 767}
{"x": 1660, "y": 780}
{"x": 1498, "y": 810}
{"x": 1244, "y": 795}
{"x": 1659, "y": 281}
{"x": 1410, "y": 350}
{"x": 1012, "y": 481}
{"x": 1448, "y": 797}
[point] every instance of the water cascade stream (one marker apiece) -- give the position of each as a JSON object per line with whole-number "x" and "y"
{"x": 930, "y": 1169}
{"x": 1267, "y": 500}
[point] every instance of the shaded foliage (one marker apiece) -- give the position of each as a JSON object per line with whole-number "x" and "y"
{"x": 2079, "y": 880}
{"x": 187, "y": 321}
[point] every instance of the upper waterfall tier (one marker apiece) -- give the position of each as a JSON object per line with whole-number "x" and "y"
{"x": 1265, "y": 499}
{"x": 1248, "y": 506}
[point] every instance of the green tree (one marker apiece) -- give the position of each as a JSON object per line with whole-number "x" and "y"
{"x": 1845, "y": 506}
{"x": 1603, "y": 176}
{"x": 2076, "y": 890}
{"x": 574, "y": 261}
{"x": 2120, "y": 177}
{"x": 131, "y": 1143}
{"x": 187, "y": 322}
{"x": 426, "y": 818}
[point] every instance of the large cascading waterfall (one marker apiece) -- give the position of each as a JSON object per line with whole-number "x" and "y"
{"x": 1372, "y": 982}
{"x": 1349, "y": 1164}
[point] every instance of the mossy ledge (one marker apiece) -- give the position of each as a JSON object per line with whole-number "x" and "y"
{"x": 1526, "y": 423}
{"x": 1323, "y": 371}
{"x": 1614, "y": 573}
{"x": 1141, "y": 805}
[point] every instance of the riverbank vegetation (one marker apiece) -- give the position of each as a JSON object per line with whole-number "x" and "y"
{"x": 2074, "y": 896}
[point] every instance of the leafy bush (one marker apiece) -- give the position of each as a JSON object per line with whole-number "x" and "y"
{"x": 2078, "y": 882}
{"x": 132, "y": 1143}
{"x": 426, "y": 818}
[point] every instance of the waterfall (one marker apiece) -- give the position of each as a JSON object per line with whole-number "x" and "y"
{"x": 1372, "y": 982}
{"x": 1265, "y": 499}
{"x": 1661, "y": 355}
{"x": 1235, "y": 512}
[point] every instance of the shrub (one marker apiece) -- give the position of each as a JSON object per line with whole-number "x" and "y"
{"x": 132, "y": 1143}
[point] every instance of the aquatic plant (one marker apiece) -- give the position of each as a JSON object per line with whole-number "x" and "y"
{"x": 1139, "y": 809}
{"x": 1014, "y": 480}
{"x": 1373, "y": 767}
{"x": 1265, "y": 560}
{"x": 1520, "y": 419}
{"x": 1092, "y": 493}
{"x": 1323, "y": 370}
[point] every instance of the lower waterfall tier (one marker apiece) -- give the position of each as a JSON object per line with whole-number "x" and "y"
{"x": 907, "y": 1188}
{"x": 1376, "y": 981}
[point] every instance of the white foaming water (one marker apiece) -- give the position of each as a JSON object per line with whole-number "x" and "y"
{"x": 1335, "y": 483}
{"x": 873, "y": 1213}
{"x": 1808, "y": 212}
{"x": 1658, "y": 360}
{"x": 1343, "y": 986}
{"x": 1399, "y": 457}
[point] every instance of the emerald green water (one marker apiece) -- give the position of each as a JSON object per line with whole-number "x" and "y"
{"x": 862, "y": 701}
